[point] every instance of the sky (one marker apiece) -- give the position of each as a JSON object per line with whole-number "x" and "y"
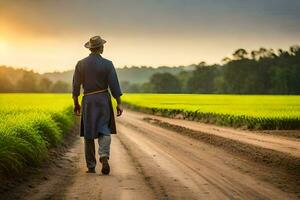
{"x": 48, "y": 35}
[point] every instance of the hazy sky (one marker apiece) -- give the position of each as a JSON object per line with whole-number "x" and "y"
{"x": 48, "y": 35}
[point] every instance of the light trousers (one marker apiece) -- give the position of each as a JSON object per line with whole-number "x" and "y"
{"x": 104, "y": 142}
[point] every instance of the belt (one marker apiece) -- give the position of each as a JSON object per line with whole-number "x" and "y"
{"x": 95, "y": 92}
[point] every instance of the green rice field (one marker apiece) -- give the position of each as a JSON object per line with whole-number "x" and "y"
{"x": 249, "y": 111}
{"x": 29, "y": 125}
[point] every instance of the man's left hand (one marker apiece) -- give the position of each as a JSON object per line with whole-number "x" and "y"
{"x": 119, "y": 110}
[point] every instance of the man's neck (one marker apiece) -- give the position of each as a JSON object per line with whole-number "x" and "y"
{"x": 95, "y": 53}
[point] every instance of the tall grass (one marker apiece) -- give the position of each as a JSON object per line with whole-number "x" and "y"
{"x": 29, "y": 125}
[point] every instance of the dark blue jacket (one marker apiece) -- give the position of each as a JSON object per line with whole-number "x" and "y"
{"x": 96, "y": 73}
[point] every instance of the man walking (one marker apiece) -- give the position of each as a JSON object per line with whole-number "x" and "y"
{"x": 96, "y": 74}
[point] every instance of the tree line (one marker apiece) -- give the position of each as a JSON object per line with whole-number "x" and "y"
{"x": 262, "y": 71}
{"x": 20, "y": 80}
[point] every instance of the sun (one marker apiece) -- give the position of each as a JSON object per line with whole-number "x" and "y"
{"x": 3, "y": 45}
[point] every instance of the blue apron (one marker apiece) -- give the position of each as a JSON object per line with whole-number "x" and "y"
{"x": 97, "y": 116}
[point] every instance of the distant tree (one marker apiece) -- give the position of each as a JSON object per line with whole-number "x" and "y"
{"x": 147, "y": 88}
{"x": 5, "y": 84}
{"x": 202, "y": 79}
{"x": 219, "y": 85}
{"x": 45, "y": 85}
{"x": 134, "y": 88}
{"x": 60, "y": 87}
{"x": 226, "y": 60}
{"x": 266, "y": 53}
{"x": 28, "y": 82}
{"x": 279, "y": 80}
{"x": 128, "y": 87}
{"x": 183, "y": 77}
{"x": 254, "y": 55}
{"x": 125, "y": 85}
{"x": 240, "y": 54}
{"x": 165, "y": 83}
{"x": 201, "y": 64}
{"x": 295, "y": 49}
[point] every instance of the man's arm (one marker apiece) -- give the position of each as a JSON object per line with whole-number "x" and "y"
{"x": 75, "y": 99}
{"x": 118, "y": 99}
{"x": 115, "y": 89}
{"x": 76, "y": 89}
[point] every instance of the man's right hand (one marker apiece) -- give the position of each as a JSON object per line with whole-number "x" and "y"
{"x": 119, "y": 110}
{"x": 77, "y": 109}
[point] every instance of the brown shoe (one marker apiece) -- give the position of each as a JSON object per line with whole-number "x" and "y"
{"x": 91, "y": 170}
{"x": 105, "y": 166}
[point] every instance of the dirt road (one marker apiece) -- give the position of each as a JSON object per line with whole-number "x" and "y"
{"x": 151, "y": 162}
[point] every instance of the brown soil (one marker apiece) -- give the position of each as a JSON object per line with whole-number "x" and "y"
{"x": 151, "y": 162}
{"x": 271, "y": 157}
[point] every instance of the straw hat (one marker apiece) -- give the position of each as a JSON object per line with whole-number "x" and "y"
{"x": 94, "y": 42}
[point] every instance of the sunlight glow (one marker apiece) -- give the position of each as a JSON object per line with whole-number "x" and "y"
{"x": 3, "y": 45}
